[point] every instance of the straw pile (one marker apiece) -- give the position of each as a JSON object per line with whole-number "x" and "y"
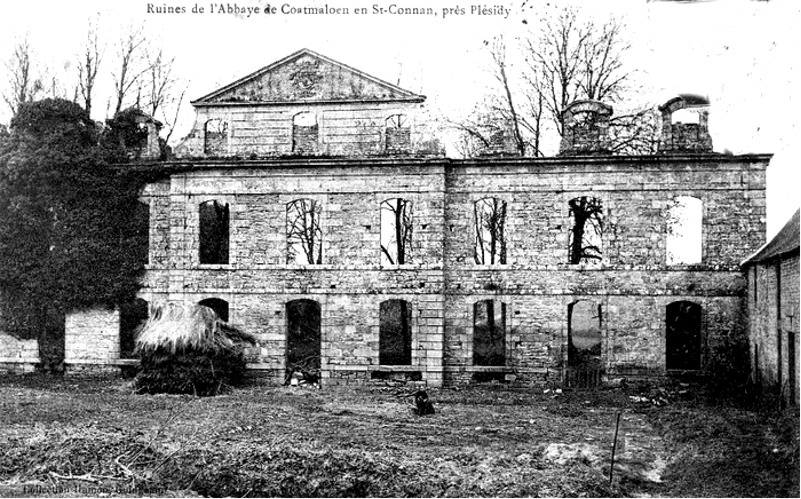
{"x": 189, "y": 349}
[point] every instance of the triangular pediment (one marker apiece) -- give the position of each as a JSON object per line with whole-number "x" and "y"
{"x": 307, "y": 77}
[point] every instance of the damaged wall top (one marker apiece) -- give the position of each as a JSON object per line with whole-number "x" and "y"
{"x": 309, "y": 105}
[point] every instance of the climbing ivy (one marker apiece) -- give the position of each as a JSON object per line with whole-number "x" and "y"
{"x": 69, "y": 234}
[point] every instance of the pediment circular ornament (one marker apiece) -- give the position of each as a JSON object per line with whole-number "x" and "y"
{"x": 306, "y": 78}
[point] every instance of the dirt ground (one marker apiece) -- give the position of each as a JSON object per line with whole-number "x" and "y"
{"x": 78, "y": 437}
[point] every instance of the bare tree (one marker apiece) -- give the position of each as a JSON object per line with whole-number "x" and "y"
{"x": 396, "y": 231}
{"x": 501, "y": 118}
{"x": 161, "y": 84}
{"x": 304, "y": 236}
{"x": 635, "y": 132}
{"x": 509, "y": 111}
{"x": 490, "y": 228}
{"x": 586, "y": 232}
{"x": 88, "y": 65}
{"x": 574, "y": 59}
{"x": 56, "y": 89}
{"x": 26, "y": 80}
{"x": 567, "y": 58}
{"x": 131, "y": 65}
{"x": 158, "y": 79}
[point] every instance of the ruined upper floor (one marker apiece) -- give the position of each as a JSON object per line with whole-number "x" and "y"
{"x": 309, "y": 105}
{"x": 590, "y": 128}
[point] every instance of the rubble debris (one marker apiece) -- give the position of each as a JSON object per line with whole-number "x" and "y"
{"x": 302, "y": 378}
{"x": 663, "y": 396}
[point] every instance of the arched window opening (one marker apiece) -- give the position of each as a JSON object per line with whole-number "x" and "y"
{"x": 395, "y": 333}
{"x": 216, "y": 137}
{"x": 304, "y": 133}
{"x": 304, "y": 235}
{"x": 683, "y": 336}
{"x": 303, "y": 337}
{"x": 219, "y": 306}
{"x": 586, "y": 230}
{"x": 214, "y": 233}
{"x": 684, "y": 231}
{"x": 398, "y": 134}
{"x": 396, "y": 231}
{"x": 133, "y": 315}
{"x": 489, "y": 333}
{"x": 490, "y": 231}
{"x": 686, "y": 116}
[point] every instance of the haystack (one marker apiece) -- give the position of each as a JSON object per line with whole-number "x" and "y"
{"x": 188, "y": 349}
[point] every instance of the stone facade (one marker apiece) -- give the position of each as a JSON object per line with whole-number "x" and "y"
{"x": 773, "y": 313}
{"x": 487, "y": 274}
{"x": 18, "y": 355}
{"x": 307, "y": 104}
{"x": 91, "y": 340}
{"x": 633, "y": 285}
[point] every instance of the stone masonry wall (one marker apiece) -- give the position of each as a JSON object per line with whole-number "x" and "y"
{"x": 349, "y": 285}
{"x": 633, "y": 285}
{"x": 91, "y": 339}
{"x": 764, "y": 296}
{"x": 345, "y": 129}
{"x": 18, "y": 355}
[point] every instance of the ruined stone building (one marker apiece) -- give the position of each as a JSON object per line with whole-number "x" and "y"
{"x": 773, "y": 304}
{"x": 311, "y": 205}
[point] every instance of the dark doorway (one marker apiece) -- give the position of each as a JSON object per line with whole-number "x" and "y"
{"x": 683, "y": 336}
{"x": 395, "y": 333}
{"x": 52, "y": 340}
{"x": 303, "y": 336}
{"x": 218, "y": 305}
{"x": 585, "y": 366}
{"x": 132, "y": 315}
{"x": 489, "y": 333}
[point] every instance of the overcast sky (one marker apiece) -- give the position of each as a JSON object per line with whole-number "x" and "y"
{"x": 740, "y": 53}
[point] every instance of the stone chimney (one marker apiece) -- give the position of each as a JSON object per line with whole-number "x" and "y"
{"x": 685, "y": 125}
{"x": 500, "y": 144}
{"x": 152, "y": 149}
{"x": 586, "y": 127}
{"x": 145, "y": 126}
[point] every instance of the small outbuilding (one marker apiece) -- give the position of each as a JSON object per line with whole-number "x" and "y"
{"x": 773, "y": 309}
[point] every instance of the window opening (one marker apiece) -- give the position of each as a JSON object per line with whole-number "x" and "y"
{"x": 304, "y": 235}
{"x": 490, "y": 227}
{"x": 396, "y": 231}
{"x": 586, "y": 231}
{"x": 214, "y": 234}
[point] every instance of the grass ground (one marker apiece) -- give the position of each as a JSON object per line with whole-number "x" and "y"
{"x": 83, "y": 437}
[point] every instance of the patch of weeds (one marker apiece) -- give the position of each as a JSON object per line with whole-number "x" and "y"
{"x": 723, "y": 451}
